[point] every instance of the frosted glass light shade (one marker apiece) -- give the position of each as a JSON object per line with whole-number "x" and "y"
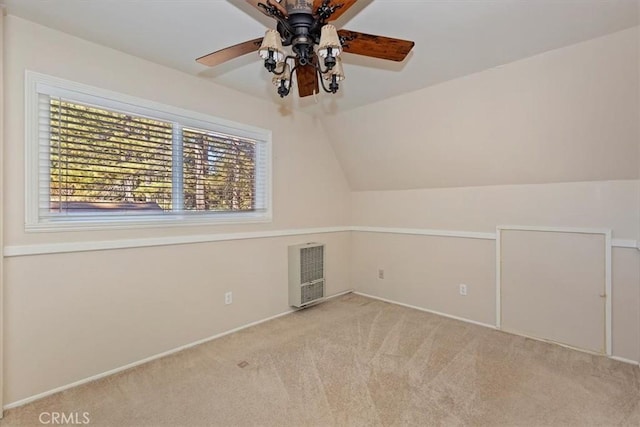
{"x": 272, "y": 42}
{"x": 329, "y": 40}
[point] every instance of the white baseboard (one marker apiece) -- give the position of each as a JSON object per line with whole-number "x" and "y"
{"x": 339, "y": 294}
{"x": 450, "y": 316}
{"x": 39, "y": 396}
{"x": 625, "y": 360}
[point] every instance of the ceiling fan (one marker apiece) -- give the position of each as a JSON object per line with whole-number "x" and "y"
{"x": 303, "y": 25}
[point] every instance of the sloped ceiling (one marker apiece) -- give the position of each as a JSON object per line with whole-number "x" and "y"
{"x": 496, "y": 92}
{"x": 567, "y": 115}
{"x": 453, "y": 38}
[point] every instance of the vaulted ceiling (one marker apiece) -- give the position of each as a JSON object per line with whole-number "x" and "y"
{"x": 453, "y": 38}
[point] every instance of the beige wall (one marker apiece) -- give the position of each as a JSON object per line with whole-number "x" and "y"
{"x": 625, "y": 289}
{"x": 71, "y": 316}
{"x": 425, "y": 272}
{"x": 309, "y": 188}
{"x": 566, "y": 115}
{"x": 2, "y": 17}
{"x": 604, "y": 204}
{"x": 558, "y": 132}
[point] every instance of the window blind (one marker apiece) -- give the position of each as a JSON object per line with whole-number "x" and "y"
{"x": 219, "y": 173}
{"x": 104, "y": 161}
{"x": 97, "y": 161}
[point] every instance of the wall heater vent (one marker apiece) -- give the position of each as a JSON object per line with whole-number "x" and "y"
{"x": 306, "y": 274}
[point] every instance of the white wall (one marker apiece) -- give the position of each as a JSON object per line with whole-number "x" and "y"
{"x": 71, "y": 316}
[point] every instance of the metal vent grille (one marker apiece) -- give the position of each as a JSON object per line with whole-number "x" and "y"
{"x": 306, "y": 274}
{"x": 312, "y": 292}
{"x": 311, "y": 264}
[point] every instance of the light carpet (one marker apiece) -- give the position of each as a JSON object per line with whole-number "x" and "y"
{"x": 354, "y": 361}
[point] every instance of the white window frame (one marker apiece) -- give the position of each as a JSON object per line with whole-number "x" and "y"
{"x": 36, "y": 83}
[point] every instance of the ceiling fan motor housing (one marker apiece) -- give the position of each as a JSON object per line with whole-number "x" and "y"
{"x": 304, "y": 36}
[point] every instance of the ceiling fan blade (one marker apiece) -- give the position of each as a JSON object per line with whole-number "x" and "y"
{"x": 274, "y": 3}
{"x": 375, "y": 46}
{"x": 346, "y": 4}
{"x": 229, "y": 53}
{"x": 306, "y": 79}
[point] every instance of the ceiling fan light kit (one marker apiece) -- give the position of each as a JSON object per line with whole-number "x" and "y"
{"x": 315, "y": 45}
{"x": 271, "y": 50}
{"x": 282, "y": 79}
{"x": 329, "y": 42}
{"x": 329, "y": 49}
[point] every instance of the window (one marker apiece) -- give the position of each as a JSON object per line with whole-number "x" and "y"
{"x": 99, "y": 159}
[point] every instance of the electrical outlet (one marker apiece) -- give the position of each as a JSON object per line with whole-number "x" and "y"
{"x": 380, "y": 274}
{"x": 463, "y": 289}
{"x": 228, "y": 298}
